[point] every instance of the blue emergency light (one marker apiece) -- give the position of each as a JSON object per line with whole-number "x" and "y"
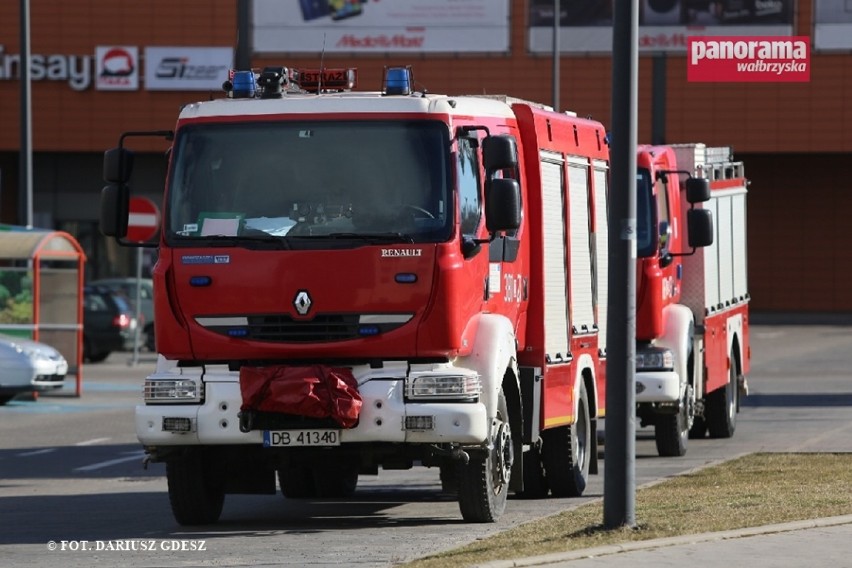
{"x": 398, "y": 80}
{"x": 243, "y": 85}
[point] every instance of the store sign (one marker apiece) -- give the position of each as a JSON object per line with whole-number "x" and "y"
{"x": 117, "y": 68}
{"x": 401, "y": 26}
{"x": 585, "y": 26}
{"x": 76, "y": 70}
{"x": 187, "y": 68}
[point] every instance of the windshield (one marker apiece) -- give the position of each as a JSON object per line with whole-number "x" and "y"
{"x": 342, "y": 179}
{"x": 646, "y": 233}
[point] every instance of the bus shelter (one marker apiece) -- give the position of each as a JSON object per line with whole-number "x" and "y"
{"x": 41, "y": 291}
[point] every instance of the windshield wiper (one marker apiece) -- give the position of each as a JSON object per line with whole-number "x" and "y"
{"x": 249, "y": 238}
{"x": 373, "y": 238}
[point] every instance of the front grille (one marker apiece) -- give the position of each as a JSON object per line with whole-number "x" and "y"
{"x": 283, "y": 328}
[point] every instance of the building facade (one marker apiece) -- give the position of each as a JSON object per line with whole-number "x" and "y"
{"x": 102, "y": 67}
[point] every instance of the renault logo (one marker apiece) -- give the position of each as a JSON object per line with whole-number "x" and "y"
{"x": 302, "y": 302}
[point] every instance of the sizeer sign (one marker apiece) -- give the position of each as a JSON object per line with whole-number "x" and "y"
{"x": 167, "y": 68}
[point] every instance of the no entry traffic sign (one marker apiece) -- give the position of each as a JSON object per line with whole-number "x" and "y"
{"x": 144, "y": 220}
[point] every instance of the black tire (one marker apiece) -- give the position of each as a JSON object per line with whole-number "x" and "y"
{"x": 671, "y": 431}
{"x": 721, "y": 408}
{"x": 98, "y": 357}
{"x": 450, "y": 478}
{"x": 484, "y": 480}
{"x": 195, "y": 498}
{"x": 535, "y": 481}
{"x": 335, "y": 481}
{"x": 297, "y": 482}
{"x": 4, "y": 398}
{"x": 699, "y": 428}
{"x": 567, "y": 452}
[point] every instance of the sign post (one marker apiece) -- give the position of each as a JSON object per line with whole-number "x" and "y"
{"x": 142, "y": 225}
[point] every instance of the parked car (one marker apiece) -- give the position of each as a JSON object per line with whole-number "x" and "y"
{"x": 29, "y": 366}
{"x": 109, "y": 323}
{"x": 127, "y": 288}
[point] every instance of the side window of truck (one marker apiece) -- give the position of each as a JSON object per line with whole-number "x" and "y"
{"x": 470, "y": 201}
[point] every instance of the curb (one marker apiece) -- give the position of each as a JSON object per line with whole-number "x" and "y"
{"x": 666, "y": 542}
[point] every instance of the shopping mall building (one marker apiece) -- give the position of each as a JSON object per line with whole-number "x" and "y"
{"x": 102, "y": 67}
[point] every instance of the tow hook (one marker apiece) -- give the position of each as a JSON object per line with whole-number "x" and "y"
{"x": 455, "y": 453}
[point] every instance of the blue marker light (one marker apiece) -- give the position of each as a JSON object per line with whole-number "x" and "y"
{"x": 398, "y": 81}
{"x": 200, "y": 281}
{"x": 238, "y": 332}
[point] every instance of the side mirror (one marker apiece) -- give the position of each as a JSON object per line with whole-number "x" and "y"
{"x": 118, "y": 165}
{"x": 499, "y": 152}
{"x": 700, "y": 222}
{"x": 697, "y": 190}
{"x": 502, "y": 205}
{"x": 115, "y": 210}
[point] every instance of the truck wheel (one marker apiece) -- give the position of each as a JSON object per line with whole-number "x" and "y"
{"x": 336, "y": 481}
{"x": 671, "y": 431}
{"x": 450, "y": 478}
{"x": 566, "y": 453}
{"x": 196, "y": 499}
{"x": 484, "y": 480}
{"x": 721, "y": 410}
{"x": 296, "y": 482}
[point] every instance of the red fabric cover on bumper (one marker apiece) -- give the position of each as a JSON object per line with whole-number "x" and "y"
{"x": 317, "y": 391}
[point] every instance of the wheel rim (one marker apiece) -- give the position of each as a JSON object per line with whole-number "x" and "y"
{"x": 502, "y": 456}
{"x": 731, "y": 391}
{"x": 581, "y": 427}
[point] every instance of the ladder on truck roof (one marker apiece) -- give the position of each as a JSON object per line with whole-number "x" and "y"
{"x": 713, "y": 163}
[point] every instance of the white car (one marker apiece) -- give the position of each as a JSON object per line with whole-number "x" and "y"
{"x": 27, "y": 366}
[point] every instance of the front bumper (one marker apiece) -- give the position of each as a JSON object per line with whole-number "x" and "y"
{"x": 657, "y": 386}
{"x": 382, "y": 418}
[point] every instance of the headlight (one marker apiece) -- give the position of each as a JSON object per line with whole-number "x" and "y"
{"x": 443, "y": 387}
{"x": 654, "y": 359}
{"x": 158, "y": 391}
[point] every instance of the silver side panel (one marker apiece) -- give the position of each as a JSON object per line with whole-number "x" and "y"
{"x": 601, "y": 243}
{"x": 554, "y": 258}
{"x": 582, "y": 306}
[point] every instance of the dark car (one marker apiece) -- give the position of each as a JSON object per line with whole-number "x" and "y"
{"x": 126, "y": 287}
{"x": 109, "y": 323}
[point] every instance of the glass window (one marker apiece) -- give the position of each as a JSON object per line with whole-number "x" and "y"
{"x": 311, "y": 180}
{"x": 468, "y": 181}
{"x": 646, "y": 241}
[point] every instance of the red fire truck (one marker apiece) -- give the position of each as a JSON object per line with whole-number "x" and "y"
{"x": 349, "y": 281}
{"x": 693, "y": 350}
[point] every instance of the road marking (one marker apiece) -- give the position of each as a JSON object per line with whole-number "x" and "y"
{"x": 36, "y": 452}
{"x": 92, "y": 442}
{"x": 100, "y": 465}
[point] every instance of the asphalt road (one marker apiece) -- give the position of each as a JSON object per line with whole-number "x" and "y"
{"x": 71, "y": 475}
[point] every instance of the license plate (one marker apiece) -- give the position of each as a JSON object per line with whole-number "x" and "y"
{"x": 294, "y": 438}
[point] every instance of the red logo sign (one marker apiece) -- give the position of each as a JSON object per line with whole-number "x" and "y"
{"x": 144, "y": 220}
{"x": 763, "y": 59}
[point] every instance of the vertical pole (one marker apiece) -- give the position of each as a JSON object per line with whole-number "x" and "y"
{"x": 242, "y": 58}
{"x": 25, "y": 176}
{"x": 620, "y": 463}
{"x": 658, "y": 100}
{"x": 138, "y": 331}
{"x": 556, "y": 55}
